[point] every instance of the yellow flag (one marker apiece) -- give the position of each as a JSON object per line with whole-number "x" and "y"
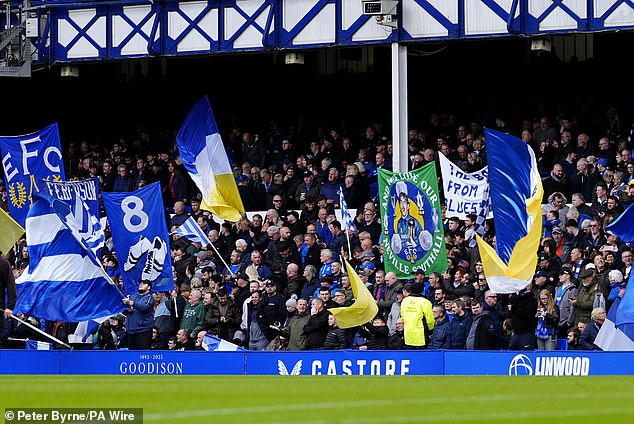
{"x": 10, "y": 231}
{"x": 364, "y": 308}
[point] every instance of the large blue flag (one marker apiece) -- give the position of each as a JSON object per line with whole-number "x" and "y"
{"x": 140, "y": 237}
{"x": 617, "y": 332}
{"x": 27, "y": 159}
{"x": 623, "y": 226}
{"x": 64, "y": 280}
{"x": 516, "y": 193}
{"x": 83, "y": 199}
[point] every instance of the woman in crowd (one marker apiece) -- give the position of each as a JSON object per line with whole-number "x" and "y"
{"x": 177, "y": 184}
{"x": 547, "y": 320}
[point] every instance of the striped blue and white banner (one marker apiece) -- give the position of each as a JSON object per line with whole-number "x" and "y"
{"x": 346, "y": 216}
{"x": 191, "y": 231}
{"x": 35, "y": 345}
{"x": 64, "y": 280}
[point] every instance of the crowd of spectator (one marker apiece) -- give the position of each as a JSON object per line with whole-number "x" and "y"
{"x": 269, "y": 280}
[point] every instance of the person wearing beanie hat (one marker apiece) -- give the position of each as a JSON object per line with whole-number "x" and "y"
{"x": 418, "y": 317}
{"x": 291, "y": 309}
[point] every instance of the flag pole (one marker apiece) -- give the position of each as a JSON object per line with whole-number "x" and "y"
{"x": 41, "y": 332}
{"x": 222, "y": 259}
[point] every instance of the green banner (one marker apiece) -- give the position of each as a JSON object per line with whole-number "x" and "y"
{"x": 413, "y": 236}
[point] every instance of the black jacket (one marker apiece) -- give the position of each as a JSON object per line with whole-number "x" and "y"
{"x": 7, "y": 284}
{"x": 396, "y": 341}
{"x": 523, "y": 309}
{"x": 335, "y": 339}
{"x": 376, "y": 337}
{"x": 317, "y": 329}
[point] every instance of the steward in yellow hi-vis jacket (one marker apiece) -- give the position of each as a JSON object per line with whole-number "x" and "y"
{"x": 418, "y": 318}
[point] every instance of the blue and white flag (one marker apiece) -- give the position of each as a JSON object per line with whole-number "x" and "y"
{"x": 191, "y": 231}
{"x": 140, "y": 237}
{"x": 214, "y": 344}
{"x": 612, "y": 336}
{"x": 617, "y": 332}
{"x": 27, "y": 159}
{"x": 64, "y": 280}
{"x": 346, "y": 217}
{"x": 85, "y": 330}
{"x": 83, "y": 199}
{"x": 35, "y": 345}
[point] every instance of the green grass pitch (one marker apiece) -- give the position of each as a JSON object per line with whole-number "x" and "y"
{"x": 335, "y": 399}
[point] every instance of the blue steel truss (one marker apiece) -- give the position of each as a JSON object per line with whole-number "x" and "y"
{"x": 97, "y": 30}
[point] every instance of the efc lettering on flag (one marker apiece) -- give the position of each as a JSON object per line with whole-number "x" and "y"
{"x": 27, "y": 159}
{"x": 413, "y": 236}
{"x": 140, "y": 237}
{"x": 364, "y": 308}
{"x": 191, "y": 231}
{"x": 204, "y": 156}
{"x": 516, "y": 193}
{"x": 64, "y": 281}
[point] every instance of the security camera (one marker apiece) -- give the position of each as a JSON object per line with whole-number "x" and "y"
{"x": 382, "y": 7}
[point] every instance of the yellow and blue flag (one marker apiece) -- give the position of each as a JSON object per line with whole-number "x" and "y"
{"x": 516, "y": 193}
{"x": 204, "y": 156}
{"x": 364, "y": 308}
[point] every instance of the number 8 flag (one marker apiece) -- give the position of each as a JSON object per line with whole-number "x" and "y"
{"x": 140, "y": 237}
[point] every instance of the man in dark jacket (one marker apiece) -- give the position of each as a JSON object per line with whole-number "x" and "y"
{"x": 441, "y": 337}
{"x": 317, "y": 326}
{"x": 460, "y": 324}
{"x": 141, "y": 317}
{"x": 524, "y": 322}
{"x": 397, "y": 340}
{"x": 273, "y": 310}
{"x": 376, "y": 334}
{"x": 483, "y": 334}
{"x": 310, "y": 251}
{"x": 230, "y": 315}
{"x": 586, "y": 341}
{"x": 7, "y": 285}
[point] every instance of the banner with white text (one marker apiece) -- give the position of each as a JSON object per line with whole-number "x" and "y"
{"x": 464, "y": 192}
